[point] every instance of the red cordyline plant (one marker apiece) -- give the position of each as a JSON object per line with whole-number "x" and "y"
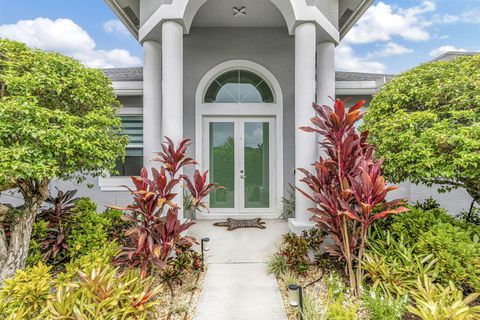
{"x": 156, "y": 229}
{"x": 347, "y": 186}
{"x": 58, "y": 217}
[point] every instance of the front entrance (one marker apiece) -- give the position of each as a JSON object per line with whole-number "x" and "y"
{"x": 240, "y": 153}
{"x": 239, "y": 140}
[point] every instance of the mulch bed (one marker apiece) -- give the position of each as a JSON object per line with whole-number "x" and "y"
{"x": 183, "y": 304}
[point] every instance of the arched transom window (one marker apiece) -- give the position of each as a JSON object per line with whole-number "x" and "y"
{"x": 239, "y": 86}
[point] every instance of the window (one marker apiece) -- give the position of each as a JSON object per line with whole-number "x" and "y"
{"x": 239, "y": 86}
{"x": 132, "y": 125}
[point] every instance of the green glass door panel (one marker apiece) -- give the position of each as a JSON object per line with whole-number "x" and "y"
{"x": 257, "y": 165}
{"x": 222, "y": 163}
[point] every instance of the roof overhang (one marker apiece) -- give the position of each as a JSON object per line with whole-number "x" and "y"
{"x": 350, "y": 22}
{"x": 121, "y": 14}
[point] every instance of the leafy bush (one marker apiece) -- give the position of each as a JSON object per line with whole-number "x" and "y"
{"x": 382, "y": 307}
{"x": 104, "y": 293}
{"x": 155, "y": 228}
{"x": 185, "y": 260}
{"x": 346, "y": 186}
{"x": 116, "y": 226}
{"x": 393, "y": 266}
{"x": 340, "y": 305}
{"x": 412, "y": 224}
{"x": 98, "y": 258}
{"x": 26, "y": 294}
{"x": 82, "y": 230}
{"x": 89, "y": 229}
{"x": 458, "y": 255}
{"x": 425, "y": 122}
{"x": 58, "y": 120}
{"x": 35, "y": 251}
{"x": 277, "y": 265}
{"x": 428, "y": 204}
{"x": 473, "y": 217}
{"x": 295, "y": 250}
{"x": 435, "y": 302}
{"x": 52, "y": 237}
{"x": 100, "y": 293}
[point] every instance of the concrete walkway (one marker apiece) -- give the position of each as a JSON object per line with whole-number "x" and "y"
{"x": 237, "y": 286}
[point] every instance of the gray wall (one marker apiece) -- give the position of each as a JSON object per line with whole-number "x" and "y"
{"x": 272, "y": 48}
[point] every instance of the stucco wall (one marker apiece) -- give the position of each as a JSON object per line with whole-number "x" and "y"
{"x": 328, "y": 8}
{"x": 272, "y": 48}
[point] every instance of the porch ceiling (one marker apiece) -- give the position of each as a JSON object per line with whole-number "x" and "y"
{"x": 259, "y": 13}
{"x": 220, "y": 13}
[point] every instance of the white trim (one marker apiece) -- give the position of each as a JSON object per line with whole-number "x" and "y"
{"x": 274, "y": 110}
{"x": 356, "y": 87}
{"x": 130, "y": 111}
{"x": 128, "y": 88}
{"x": 135, "y": 88}
{"x": 109, "y": 183}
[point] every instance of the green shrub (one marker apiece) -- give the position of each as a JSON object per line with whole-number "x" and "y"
{"x": 428, "y": 204}
{"x": 88, "y": 230}
{"x": 26, "y": 294}
{"x": 435, "y": 302}
{"x": 410, "y": 225}
{"x": 295, "y": 250}
{"x": 393, "y": 266}
{"x": 92, "y": 290}
{"x": 116, "y": 226}
{"x": 340, "y": 305}
{"x": 473, "y": 217}
{"x": 35, "y": 251}
{"x": 458, "y": 255}
{"x": 98, "y": 258}
{"x": 382, "y": 307}
{"x": 342, "y": 310}
{"x": 184, "y": 260}
{"x": 277, "y": 265}
{"x": 103, "y": 293}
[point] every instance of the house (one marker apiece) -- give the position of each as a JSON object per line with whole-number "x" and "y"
{"x": 237, "y": 77}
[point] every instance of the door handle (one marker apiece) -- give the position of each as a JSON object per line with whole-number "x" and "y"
{"x": 242, "y": 176}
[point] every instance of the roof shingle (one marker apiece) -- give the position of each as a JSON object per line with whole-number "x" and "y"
{"x": 136, "y": 74}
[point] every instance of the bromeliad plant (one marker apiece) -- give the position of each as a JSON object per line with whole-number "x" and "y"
{"x": 156, "y": 230}
{"x": 347, "y": 186}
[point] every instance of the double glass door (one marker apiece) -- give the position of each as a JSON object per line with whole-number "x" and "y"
{"x": 240, "y": 153}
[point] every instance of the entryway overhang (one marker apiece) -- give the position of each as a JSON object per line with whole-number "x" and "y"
{"x": 184, "y": 12}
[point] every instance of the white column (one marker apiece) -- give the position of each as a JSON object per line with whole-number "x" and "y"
{"x": 325, "y": 78}
{"x": 305, "y": 143}
{"x": 172, "y": 87}
{"x": 152, "y": 101}
{"x": 325, "y": 73}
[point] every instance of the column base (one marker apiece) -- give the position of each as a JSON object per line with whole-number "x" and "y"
{"x": 297, "y": 226}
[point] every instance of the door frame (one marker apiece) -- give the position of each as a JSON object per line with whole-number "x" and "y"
{"x": 258, "y": 110}
{"x": 239, "y": 183}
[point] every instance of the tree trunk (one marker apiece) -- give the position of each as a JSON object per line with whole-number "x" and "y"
{"x": 17, "y": 247}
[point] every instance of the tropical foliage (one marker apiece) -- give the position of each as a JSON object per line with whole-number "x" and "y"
{"x": 101, "y": 293}
{"x": 57, "y": 120}
{"x": 155, "y": 229}
{"x": 426, "y": 123}
{"x": 347, "y": 186}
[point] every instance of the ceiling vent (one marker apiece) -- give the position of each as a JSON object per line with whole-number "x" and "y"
{"x": 132, "y": 16}
{"x": 344, "y": 18}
